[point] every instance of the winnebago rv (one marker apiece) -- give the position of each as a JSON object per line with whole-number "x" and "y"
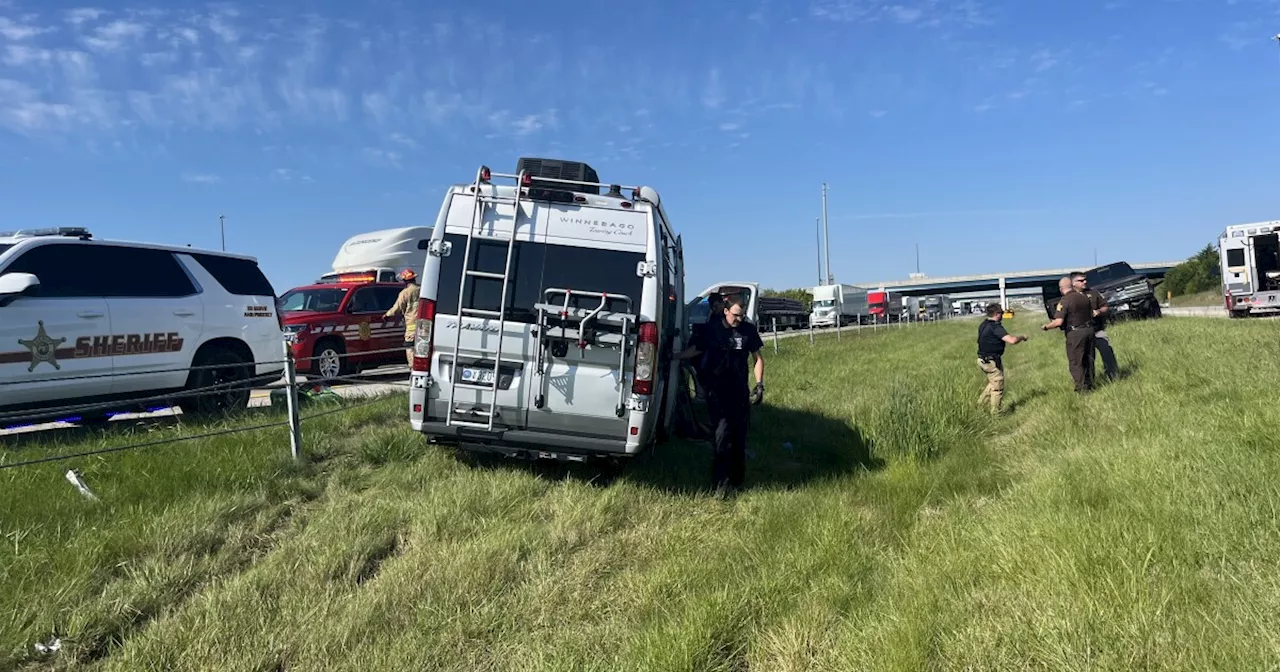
{"x": 1249, "y": 255}
{"x": 846, "y": 303}
{"x": 551, "y": 308}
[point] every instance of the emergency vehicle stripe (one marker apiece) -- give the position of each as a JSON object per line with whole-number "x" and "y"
{"x": 24, "y": 356}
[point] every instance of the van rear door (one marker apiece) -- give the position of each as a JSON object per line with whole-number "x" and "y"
{"x": 591, "y": 297}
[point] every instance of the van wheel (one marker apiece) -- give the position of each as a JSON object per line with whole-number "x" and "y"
{"x": 329, "y": 361}
{"x": 227, "y": 368}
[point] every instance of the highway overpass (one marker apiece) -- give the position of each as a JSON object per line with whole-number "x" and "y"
{"x": 998, "y": 282}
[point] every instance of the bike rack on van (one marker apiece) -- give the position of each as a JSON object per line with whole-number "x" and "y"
{"x": 583, "y": 335}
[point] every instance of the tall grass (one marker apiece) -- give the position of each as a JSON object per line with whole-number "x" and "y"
{"x": 890, "y": 524}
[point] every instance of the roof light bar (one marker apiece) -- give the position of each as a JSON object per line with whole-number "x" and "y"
{"x": 76, "y": 231}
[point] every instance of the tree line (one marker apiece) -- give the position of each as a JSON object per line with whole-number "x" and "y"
{"x": 1200, "y": 273}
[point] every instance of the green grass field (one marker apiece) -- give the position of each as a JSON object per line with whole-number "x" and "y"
{"x": 1133, "y": 529}
{"x": 1212, "y": 298}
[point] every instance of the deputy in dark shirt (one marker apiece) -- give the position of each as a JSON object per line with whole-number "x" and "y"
{"x": 1075, "y": 312}
{"x": 1101, "y": 342}
{"x": 992, "y": 338}
{"x": 724, "y": 346}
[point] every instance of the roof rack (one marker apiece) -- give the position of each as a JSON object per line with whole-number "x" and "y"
{"x": 67, "y": 231}
{"x": 526, "y": 179}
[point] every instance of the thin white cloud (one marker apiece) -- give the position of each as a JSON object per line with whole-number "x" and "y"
{"x": 713, "y": 91}
{"x": 402, "y": 139}
{"x": 290, "y": 175}
{"x": 115, "y": 36}
{"x": 17, "y": 31}
{"x": 922, "y": 13}
{"x": 201, "y": 178}
{"x": 730, "y": 126}
{"x": 384, "y": 156}
{"x": 83, "y": 15}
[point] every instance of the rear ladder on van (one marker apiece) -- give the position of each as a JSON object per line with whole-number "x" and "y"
{"x": 489, "y": 390}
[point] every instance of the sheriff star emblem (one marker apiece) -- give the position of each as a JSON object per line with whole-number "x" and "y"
{"x": 43, "y": 348}
{"x": 365, "y": 331}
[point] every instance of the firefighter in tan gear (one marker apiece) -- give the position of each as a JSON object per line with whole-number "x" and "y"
{"x": 407, "y": 304}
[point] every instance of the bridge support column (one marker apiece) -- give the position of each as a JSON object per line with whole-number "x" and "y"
{"x": 1004, "y": 301}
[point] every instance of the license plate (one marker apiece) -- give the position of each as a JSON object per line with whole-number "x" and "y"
{"x": 482, "y": 376}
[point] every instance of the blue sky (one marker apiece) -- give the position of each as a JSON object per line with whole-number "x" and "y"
{"x": 996, "y": 135}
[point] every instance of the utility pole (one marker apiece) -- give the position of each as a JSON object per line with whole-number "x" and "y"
{"x": 917, "y": 258}
{"x": 222, "y": 227}
{"x": 826, "y": 232}
{"x": 1095, "y": 257}
{"x": 817, "y": 229}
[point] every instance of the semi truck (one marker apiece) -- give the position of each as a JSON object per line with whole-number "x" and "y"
{"x": 884, "y": 306}
{"x": 842, "y": 304}
{"x": 1249, "y": 257}
{"x": 937, "y": 306}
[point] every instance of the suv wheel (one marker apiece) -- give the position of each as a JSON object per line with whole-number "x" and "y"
{"x": 228, "y": 368}
{"x": 329, "y": 361}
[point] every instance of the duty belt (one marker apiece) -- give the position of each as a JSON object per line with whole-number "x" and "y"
{"x": 1081, "y": 326}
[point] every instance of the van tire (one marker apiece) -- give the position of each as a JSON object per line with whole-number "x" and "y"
{"x": 330, "y": 359}
{"x": 231, "y": 368}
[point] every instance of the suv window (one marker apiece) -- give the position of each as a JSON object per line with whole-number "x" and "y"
{"x": 238, "y": 276}
{"x": 5, "y": 246}
{"x": 534, "y": 267}
{"x": 313, "y": 300}
{"x": 373, "y": 299}
{"x": 75, "y": 270}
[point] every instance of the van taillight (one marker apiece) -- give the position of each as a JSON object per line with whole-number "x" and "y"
{"x": 646, "y": 358}
{"x": 422, "y": 343}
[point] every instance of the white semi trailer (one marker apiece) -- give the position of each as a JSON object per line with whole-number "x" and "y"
{"x": 842, "y": 304}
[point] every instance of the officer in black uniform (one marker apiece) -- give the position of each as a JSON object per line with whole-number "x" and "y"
{"x": 725, "y": 345}
{"x": 992, "y": 338}
{"x": 1075, "y": 311}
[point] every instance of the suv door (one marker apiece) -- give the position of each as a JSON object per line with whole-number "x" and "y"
{"x": 373, "y": 333}
{"x": 157, "y": 318}
{"x": 50, "y": 336}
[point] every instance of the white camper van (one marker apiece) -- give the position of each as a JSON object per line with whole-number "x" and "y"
{"x": 549, "y": 314}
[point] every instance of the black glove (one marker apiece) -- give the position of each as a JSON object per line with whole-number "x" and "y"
{"x": 757, "y": 394}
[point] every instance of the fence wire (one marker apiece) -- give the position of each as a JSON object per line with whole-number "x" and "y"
{"x": 194, "y": 437}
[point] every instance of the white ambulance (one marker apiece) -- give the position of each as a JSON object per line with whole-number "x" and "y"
{"x": 550, "y": 311}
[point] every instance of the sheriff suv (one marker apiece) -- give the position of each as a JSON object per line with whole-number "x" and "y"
{"x": 122, "y": 326}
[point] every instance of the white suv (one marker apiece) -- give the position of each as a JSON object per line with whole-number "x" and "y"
{"x": 85, "y": 321}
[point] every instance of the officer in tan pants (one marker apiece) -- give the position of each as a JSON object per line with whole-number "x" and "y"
{"x": 407, "y": 304}
{"x": 992, "y": 338}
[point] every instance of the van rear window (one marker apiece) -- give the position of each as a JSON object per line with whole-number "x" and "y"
{"x": 535, "y": 267}
{"x": 1235, "y": 257}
